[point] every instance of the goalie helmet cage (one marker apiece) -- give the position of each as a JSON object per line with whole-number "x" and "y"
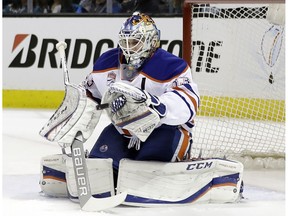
{"x": 236, "y": 52}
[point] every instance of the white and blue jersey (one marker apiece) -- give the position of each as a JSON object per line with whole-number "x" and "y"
{"x": 164, "y": 75}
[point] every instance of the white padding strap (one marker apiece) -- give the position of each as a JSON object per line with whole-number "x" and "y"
{"x": 159, "y": 183}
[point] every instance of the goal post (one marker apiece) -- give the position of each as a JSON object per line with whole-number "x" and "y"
{"x": 236, "y": 50}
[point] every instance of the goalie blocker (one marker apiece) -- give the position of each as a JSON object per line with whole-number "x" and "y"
{"x": 203, "y": 181}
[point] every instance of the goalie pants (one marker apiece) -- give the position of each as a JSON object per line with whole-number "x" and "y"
{"x": 166, "y": 143}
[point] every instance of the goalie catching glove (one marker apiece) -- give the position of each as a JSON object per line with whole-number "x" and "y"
{"x": 133, "y": 109}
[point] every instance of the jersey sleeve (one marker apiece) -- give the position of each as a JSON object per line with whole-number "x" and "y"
{"x": 182, "y": 100}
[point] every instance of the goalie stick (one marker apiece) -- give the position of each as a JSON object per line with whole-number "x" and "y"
{"x": 87, "y": 201}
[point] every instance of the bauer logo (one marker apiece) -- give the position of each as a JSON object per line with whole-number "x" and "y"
{"x": 80, "y": 172}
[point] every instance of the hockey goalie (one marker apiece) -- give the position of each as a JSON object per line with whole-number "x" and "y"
{"x": 143, "y": 157}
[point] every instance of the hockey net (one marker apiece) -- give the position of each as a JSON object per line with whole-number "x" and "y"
{"x": 236, "y": 52}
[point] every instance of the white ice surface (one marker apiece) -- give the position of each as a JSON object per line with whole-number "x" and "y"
{"x": 23, "y": 148}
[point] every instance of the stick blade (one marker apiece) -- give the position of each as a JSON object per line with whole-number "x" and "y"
{"x": 100, "y": 204}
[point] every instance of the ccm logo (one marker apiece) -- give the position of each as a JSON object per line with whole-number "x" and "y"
{"x": 80, "y": 172}
{"x": 200, "y": 165}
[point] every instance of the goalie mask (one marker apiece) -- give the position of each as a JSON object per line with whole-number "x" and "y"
{"x": 138, "y": 39}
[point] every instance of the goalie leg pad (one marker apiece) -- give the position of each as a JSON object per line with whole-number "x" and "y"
{"x": 57, "y": 177}
{"x": 100, "y": 177}
{"x": 52, "y": 177}
{"x": 159, "y": 183}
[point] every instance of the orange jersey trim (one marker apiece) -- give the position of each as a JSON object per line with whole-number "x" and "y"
{"x": 190, "y": 97}
{"x": 184, "y": 144}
